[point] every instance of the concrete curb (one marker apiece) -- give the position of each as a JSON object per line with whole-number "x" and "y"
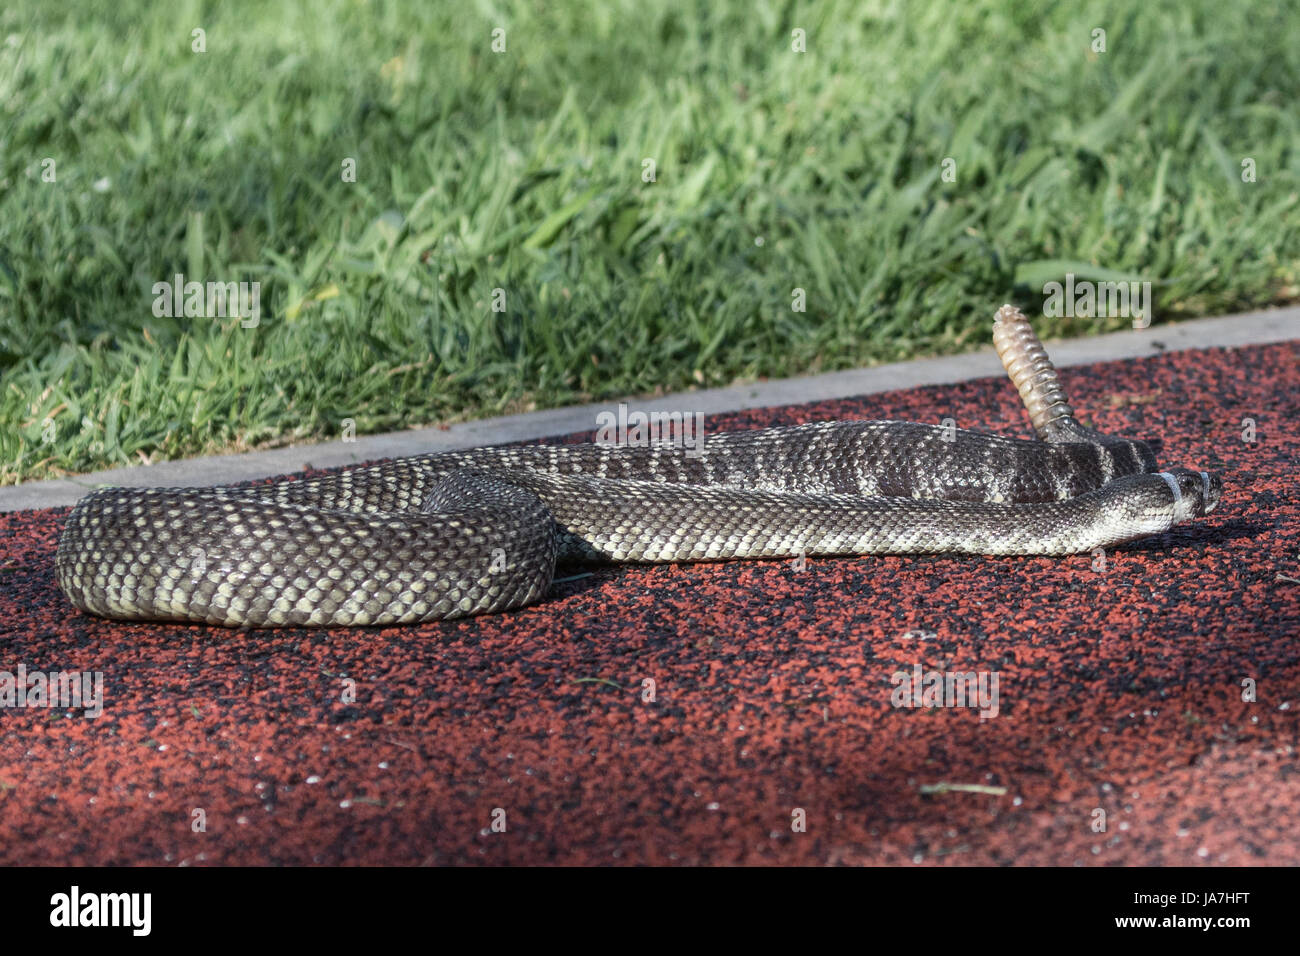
{"x": 1254, "y": 328}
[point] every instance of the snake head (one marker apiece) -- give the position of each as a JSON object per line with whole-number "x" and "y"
{"x": 1196, "y": 493}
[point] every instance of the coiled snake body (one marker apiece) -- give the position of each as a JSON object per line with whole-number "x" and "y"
{"x": 442, "y": 536}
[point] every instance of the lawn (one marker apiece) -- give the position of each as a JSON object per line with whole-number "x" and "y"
{"x": 441, "y": 230}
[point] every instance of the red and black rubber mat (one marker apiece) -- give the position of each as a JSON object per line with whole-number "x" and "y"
{"x": 1146, "y": 710}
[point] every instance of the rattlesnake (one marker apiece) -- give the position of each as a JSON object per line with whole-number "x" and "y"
{"x": 445, "y": 535}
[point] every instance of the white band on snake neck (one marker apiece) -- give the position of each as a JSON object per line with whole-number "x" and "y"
{"x": 1205, "y": 487}
{"x": 1173, "y": 484}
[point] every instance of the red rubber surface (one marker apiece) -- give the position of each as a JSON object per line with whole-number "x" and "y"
{"x": 1120, "y": 691}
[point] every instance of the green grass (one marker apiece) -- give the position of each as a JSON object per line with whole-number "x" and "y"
{"x": 522, "y": 171}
